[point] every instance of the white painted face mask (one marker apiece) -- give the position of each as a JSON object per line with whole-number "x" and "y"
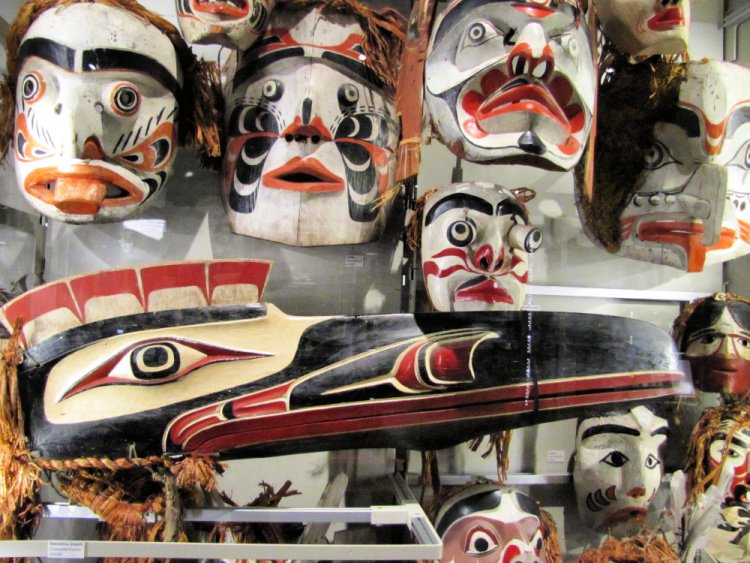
{"x": 692, "y": 205}
{"x": 474, "y": 245}
{"x": 511, "y": 82}
{"x": 233, "y": 23}
{"x": 311, "y": 134}
{"x": 618, "y": 468}
{"x": 642, "y": 28}
{"x": 95, "y": 132}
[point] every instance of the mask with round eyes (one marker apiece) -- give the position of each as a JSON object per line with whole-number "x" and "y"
{"x": 233, "y": 23}
{"x": 691, "y": 208}
{"x": 475, "y": 242}
{"x": 716, "y": 341}
{"x": 511, "y": 82}
{"x": 95, "y": 132}
{"x": 642, "y": 28}
{"x": 618, "y": 468}
{"x": 311, "y": 135}
{"x": 488, "y": 523}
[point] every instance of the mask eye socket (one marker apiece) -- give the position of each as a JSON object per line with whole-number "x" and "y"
{"x": 155, "y": 361}
{"x": 32, "y": 87}
{"x": 461, "y": 233}
{"x": 480, "y": 541}
{"x": 348, "y": 95}
{"x": 657, "y": 156}
{"x": 125, "y": 99}
{"x": 273, "y": 90}
{"x": 652, "y": 461}
{"x": 479, "y": 32}
{"x": 615, "y": 459}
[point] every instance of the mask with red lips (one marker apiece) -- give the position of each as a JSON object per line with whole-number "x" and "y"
{"x": 642, "y": 28}
{"x": 489, "y": 523}
{"x": 474, "y": 244}
{"x": 511, "y": 82}
{"x": 716, "y": 341}
{"x": 617, "y": 469}
{"x": 311, "y": 135}
{"x": 691, "y": 208}
{"x": 233, "y": 23}
{"x": 95, "y": 132}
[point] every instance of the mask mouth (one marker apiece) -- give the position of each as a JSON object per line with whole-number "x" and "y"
{"x": 221, "y": 10}
{"x": 82, "y": 189}
{"x": 304, "y": 175}
{"x": 667, "y": 19}
{"x": 483, "y": 289}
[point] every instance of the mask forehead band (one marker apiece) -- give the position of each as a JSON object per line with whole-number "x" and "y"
{"x": 348, "y": 57}
{"x": 92, "y": 60}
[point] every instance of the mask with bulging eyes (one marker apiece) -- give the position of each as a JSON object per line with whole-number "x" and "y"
{"x": 489, "y": 523}
{"x": 511, "y": 82}
{"x": 475, "y": 243}
{"x": 95, "y": 132}
{"x": 691, "y": 208}
{"x": 618, "y": 469}
{"x": 642, "y": 28}
{"x": 311, "y": 134}
{"x": 233, "y": 23}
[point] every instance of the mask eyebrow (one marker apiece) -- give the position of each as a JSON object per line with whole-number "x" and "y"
{"x": 662, "y": 430}
{"x": 458, "y": 201}
{"x": 97, "y": 59}
{"x": 722, "y": 436}
{"x": 610, "y": 429}
{"x": 737, "y": 119}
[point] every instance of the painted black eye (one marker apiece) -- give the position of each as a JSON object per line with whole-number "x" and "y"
{"x": 656, "y": 156}
{"x": 651, "y": 461}
{"x": 32, "y": 87}
{"x": 348, "y": 95}
{"x": 155, "y": 361}
{"x": 125, "y": 99}
{"x": 461, "y": 233}
{"x": 477, "y": 31}
{"x": 480, "y": 541}
{"x": 273, "y": 90}
{"x": 616, "y": 459}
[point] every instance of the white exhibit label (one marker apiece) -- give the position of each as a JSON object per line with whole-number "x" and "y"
{"x": 66, "y": 549}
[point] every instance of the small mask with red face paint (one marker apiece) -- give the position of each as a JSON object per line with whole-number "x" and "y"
{"x": 618, "y": 468}
{"x": 511, "y": 82}
{"x": 311, "y": 135}
{"x": 716, "y": 341}
{"x": 488, "y": 523}
{"x": 474, "y": 244}
{"x": 692, "y": 204}
{"x": 642, "y": 28}
{"x": 95, "y": 132}
{"x": 232, "y": 23}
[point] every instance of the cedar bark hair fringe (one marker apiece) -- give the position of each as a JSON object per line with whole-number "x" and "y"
{"x": 198, "y": 123}
{"x": 644, "y": 548}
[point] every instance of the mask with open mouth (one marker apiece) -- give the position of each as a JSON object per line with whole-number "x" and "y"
{"x": 642, "y": 28}
{"x": 233, "y": 23}
{"x": 511, "y": 82}
{"x": 618, "y": 468}
{"x": 474, "y": 244}
{"x": 691, "y": 207}
{"x": 95, "y": 124}
{"x": 312, "y": 132}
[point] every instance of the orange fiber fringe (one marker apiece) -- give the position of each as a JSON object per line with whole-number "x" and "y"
{"x": 646, "y": 548}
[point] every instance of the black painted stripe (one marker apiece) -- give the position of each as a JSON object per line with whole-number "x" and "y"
{"x": 458, "y": 201}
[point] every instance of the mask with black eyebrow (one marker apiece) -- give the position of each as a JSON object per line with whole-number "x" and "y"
{"x": 475, "y": 242}
{"x": 511, "y": 82}
{"x": 311, "y": 135}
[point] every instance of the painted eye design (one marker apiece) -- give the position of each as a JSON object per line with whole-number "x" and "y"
{"x": 615, "y": 459}
{"x": 479, "y": 32}
{"x": 273, "y": 90}
{"x": 461, "y": 233}
{"x": 538, "y": 542}
{"x": 32, "y": 87}
{"x": 156, "y": 362}
{"x": 657, "y": 156}
{"x": 742, "y": 157}
{"x": 348, "y": 95}
{"x": 480, "y": 541}
{"x": 125, "y": 99}
{"x": 652, "y": 461}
